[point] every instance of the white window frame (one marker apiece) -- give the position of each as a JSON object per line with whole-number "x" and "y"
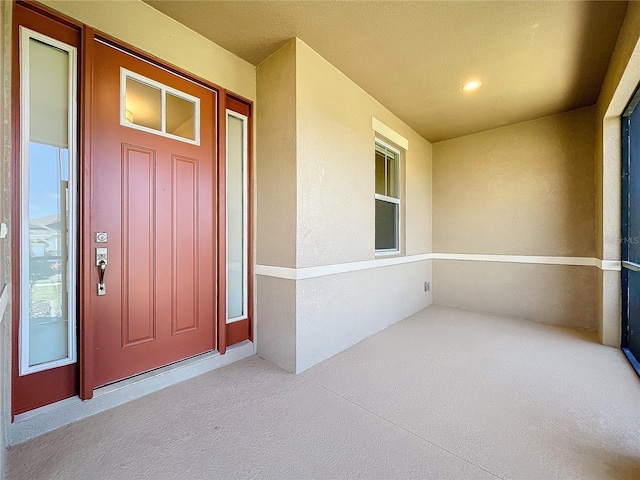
{"x": 245, "y": 214}
{"x": 164, "y": 89}
{"x": 396, "y": 201}
{"x": 72, "y": 225}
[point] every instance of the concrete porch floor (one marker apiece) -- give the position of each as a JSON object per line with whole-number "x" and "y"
{"x": 445, "y": 393}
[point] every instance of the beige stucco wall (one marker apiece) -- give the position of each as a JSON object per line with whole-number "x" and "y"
{"x": 337, "y": 311}
{"x": 620, "y": 82}
{"x": 525, "y": 189}
{"x": 277, "y": 326}
{"x": 336, "y": 214}
{"x": 334, "y": 211}
{"x": 275, "y": 221}
{"x": 553, "y": 294}
{"x": 336, "y": 173}
{"x": 276, "y": 183}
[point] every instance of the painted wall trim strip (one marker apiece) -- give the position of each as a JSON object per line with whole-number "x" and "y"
{"x": 609, "y": 264}
{"x": 536, "y": 259}
{"x": 389, "y": 133}
{"x": 304, "y": 273}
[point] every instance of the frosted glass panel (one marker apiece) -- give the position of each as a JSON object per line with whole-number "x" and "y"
{"x": 45, "y": 280}
{"x": 48, "y": 94}
{"x": 235, "y": 218}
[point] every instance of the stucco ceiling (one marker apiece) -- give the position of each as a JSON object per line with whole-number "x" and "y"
{"x": 533, "y": 58}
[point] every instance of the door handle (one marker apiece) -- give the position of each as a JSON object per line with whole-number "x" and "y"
{"x": 101, "y": 263}
{"x": 103, "y": 269}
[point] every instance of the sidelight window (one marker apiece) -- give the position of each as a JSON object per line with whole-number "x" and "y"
{"x": 237, "y": 212}
{"x": 49, "y": 202}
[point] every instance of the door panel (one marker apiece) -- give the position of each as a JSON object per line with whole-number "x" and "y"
{"x": 138, "y": 246}
{"x": 185, "y": 287}
{"x": 155, "y": 198}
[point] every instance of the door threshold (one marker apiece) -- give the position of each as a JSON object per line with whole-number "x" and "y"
{"x": 41, "y": 420}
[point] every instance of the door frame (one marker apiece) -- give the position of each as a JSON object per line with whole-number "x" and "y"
{"x": 63, "y": 379}
{"x": 239, "y": 330}
{"x": 86, "y": 282}
{"x": 626, "y": 266}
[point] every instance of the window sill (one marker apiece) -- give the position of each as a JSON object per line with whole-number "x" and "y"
{"x": 394, "y": 253}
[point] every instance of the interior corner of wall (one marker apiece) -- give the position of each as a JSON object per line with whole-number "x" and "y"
{"x": 300, "y": 44}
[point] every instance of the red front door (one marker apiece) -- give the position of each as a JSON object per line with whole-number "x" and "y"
{"x": 153, "y": 195}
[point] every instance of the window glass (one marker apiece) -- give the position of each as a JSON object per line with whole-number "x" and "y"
{"x": 236, "y": 248}
{"x": 180, "y": 116}
{"x": 392, "y": 174}
{"x": 143, "y": 104}
{"x": 157, "y": 108}
{"x": 386, "y": 225}
{"x": 380, "y": 173}
{"x": 48, "y": 207}
{"x": 387, "y": 195}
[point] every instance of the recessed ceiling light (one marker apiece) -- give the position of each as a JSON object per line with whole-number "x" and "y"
{"x": 473, "y": 85}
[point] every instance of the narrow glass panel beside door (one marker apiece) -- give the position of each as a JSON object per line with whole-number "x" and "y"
{"x": 48, "y": 204}
{"x": 236, "y": 217}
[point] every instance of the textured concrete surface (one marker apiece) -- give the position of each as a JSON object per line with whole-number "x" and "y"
{"x": 444, "y": 394}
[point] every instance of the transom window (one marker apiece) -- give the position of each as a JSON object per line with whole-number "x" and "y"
{"x": 156, "y": 108}
{"x": 387, "y": 198}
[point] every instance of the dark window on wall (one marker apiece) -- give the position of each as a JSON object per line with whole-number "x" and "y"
{"x": 387, "y": 199}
